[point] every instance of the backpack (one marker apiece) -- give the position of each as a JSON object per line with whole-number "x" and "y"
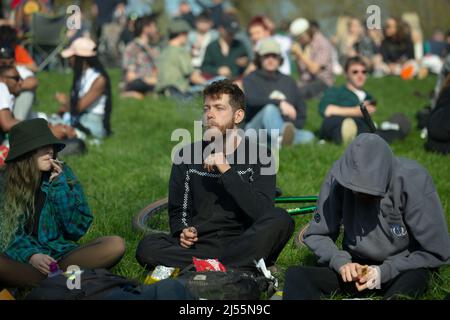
{"x": 230, "y": 285}
{"x": 94, "y": 285}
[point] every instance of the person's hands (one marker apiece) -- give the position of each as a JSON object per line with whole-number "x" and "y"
{"x": 224, "y": 71}
{"x": 296, "y": 49}
{"x": 371, "y": 108}
{"x": 62, "y": 98}
{"x": 56, "y": 169}
{"x": 41, "y": 262}
{"x": 242, "y": 62}
{"x": 217, "y": 160}
{"x": 288, "y": 110}
{"x": 370, "y": 279}
{"x": 188, "y": 237}
{"x": 351, "y": 271}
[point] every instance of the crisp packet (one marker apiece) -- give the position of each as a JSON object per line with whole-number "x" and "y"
{"x": 208, "y": 265}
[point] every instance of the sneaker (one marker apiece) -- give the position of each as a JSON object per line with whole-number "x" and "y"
{"x": 349, "y": 130}
{"x": 288, "y": 134}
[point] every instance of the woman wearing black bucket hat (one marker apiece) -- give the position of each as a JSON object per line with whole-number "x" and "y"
{"x": 43, "y": 212}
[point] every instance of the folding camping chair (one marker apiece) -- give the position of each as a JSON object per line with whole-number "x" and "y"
{"x": 47, "y": 37}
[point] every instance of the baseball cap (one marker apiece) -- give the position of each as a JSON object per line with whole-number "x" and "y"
{"x": 82, "y": 47}
{"x": 178, "y": 26}
{"x": 298, "y": 26}
{"x": 229, "y": 23}
{"x": 267, "y": 46}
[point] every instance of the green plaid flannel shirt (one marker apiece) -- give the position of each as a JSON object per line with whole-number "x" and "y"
{"x": 64, "y": 219}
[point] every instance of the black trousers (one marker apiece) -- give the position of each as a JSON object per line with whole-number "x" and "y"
{"x": 312, "y": 89}
{"x": 266, "y": 239}
{"x": 331, "y": 128}
{"x": 140, "y": 86}
{"x": 313, "y": 283}
{"x": 439, "y": 131}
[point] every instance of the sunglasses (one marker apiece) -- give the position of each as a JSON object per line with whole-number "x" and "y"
{"x": 359, "y": 71}
{"x": 271, "y": 55}
{"x": 15, "y": 78}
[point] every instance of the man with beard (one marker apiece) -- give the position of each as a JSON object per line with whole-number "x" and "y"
{"x": 221, "y": 206}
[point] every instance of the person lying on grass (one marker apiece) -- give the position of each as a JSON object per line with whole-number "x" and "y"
{"x": 395, "y": 233}
{"x": 221, "y": 204}
{"x": 43, "y": 212}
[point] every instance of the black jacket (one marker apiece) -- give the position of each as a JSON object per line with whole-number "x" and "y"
{"x": 258, "y": 86}
{"x": 218, "y": 205}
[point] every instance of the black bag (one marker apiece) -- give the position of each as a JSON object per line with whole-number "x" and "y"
{"x": 94, "y": 283}
{"x": 230, "y": 285}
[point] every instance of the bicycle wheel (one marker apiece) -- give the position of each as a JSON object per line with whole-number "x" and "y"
{"x": 154, "y": 218}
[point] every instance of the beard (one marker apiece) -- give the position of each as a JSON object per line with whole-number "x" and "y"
{"x": 213, "y": 130}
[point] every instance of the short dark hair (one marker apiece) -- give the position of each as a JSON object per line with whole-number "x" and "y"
{"x": 141, "y": 23}
{"x": 4, "y": 69}
{"x": 354, "y": 60}
{"x": 217, "y": 88}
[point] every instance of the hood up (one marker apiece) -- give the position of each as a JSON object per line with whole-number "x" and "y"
{"x": 366, "y": 165}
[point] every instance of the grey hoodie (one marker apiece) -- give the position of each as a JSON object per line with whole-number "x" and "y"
{"x": 403, "y": 229}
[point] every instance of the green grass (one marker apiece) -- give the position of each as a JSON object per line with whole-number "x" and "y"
{"x": 131, "y": 169}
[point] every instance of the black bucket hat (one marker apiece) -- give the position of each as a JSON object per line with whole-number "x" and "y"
{"x": 30, "y": 135}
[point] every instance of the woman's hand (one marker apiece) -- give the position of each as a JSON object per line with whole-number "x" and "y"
{"x": 41, "y": 262}
{"x": 56, "y": 169}
{"x": 62, "y": 98}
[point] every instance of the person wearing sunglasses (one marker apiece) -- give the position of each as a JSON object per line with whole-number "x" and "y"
{"x": 339, "y": 106}
{"x": 10, "y": 86}
{"x": 25, "y": 99}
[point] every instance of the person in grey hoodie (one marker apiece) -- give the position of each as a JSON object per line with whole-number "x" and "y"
{"x": 395, "y": 233}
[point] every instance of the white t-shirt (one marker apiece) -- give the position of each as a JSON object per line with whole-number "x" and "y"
{"x": 6, "y": 98}
{"x": 24, "y": 72}
{"x": 360, "y": 94}
{"x": 87, "y": 79}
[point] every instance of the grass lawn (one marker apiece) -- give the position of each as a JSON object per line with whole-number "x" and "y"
{"x": 131, "y": 169}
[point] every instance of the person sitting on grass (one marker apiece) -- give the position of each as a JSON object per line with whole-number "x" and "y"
{"x": 24, "y": 101}
{"x": 273, "y": 101}
{"x": 221, "y": 205}
{"x": 395, "y": 232}
{"x": 340, "y": 108}
{"x": 175, "y": 66}
{"x": 90, "y": 102}
{"x": 138, "y": 61}
{"x": 439, "y": 122}
{"x": 43, "y": 212}
{"x": 10, "y": 86}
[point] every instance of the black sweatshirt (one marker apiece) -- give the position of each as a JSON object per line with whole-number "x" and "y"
{"x": 258, "y": 86}
{"x": 219, "y": 205}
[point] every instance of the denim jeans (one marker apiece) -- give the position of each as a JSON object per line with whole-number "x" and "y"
{"x": 93, "y": 122}
{"x": 270, "y": 118}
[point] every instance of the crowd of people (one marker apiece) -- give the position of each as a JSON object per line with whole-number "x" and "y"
{"x": 250, "y": 78}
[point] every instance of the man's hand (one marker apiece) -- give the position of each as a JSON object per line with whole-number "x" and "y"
{"x": 188, "y": 237}
{"x": 297, "y": 50}
{"x": 351, "y": 272}
{"x": 369, "y": 279}
{"x": 371, "y": 108}
{"x": 217, "y": 160}
{"x": 288, "y": 110}
{"x": 224, "y": 71}
{"x": 41, "y": 262}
